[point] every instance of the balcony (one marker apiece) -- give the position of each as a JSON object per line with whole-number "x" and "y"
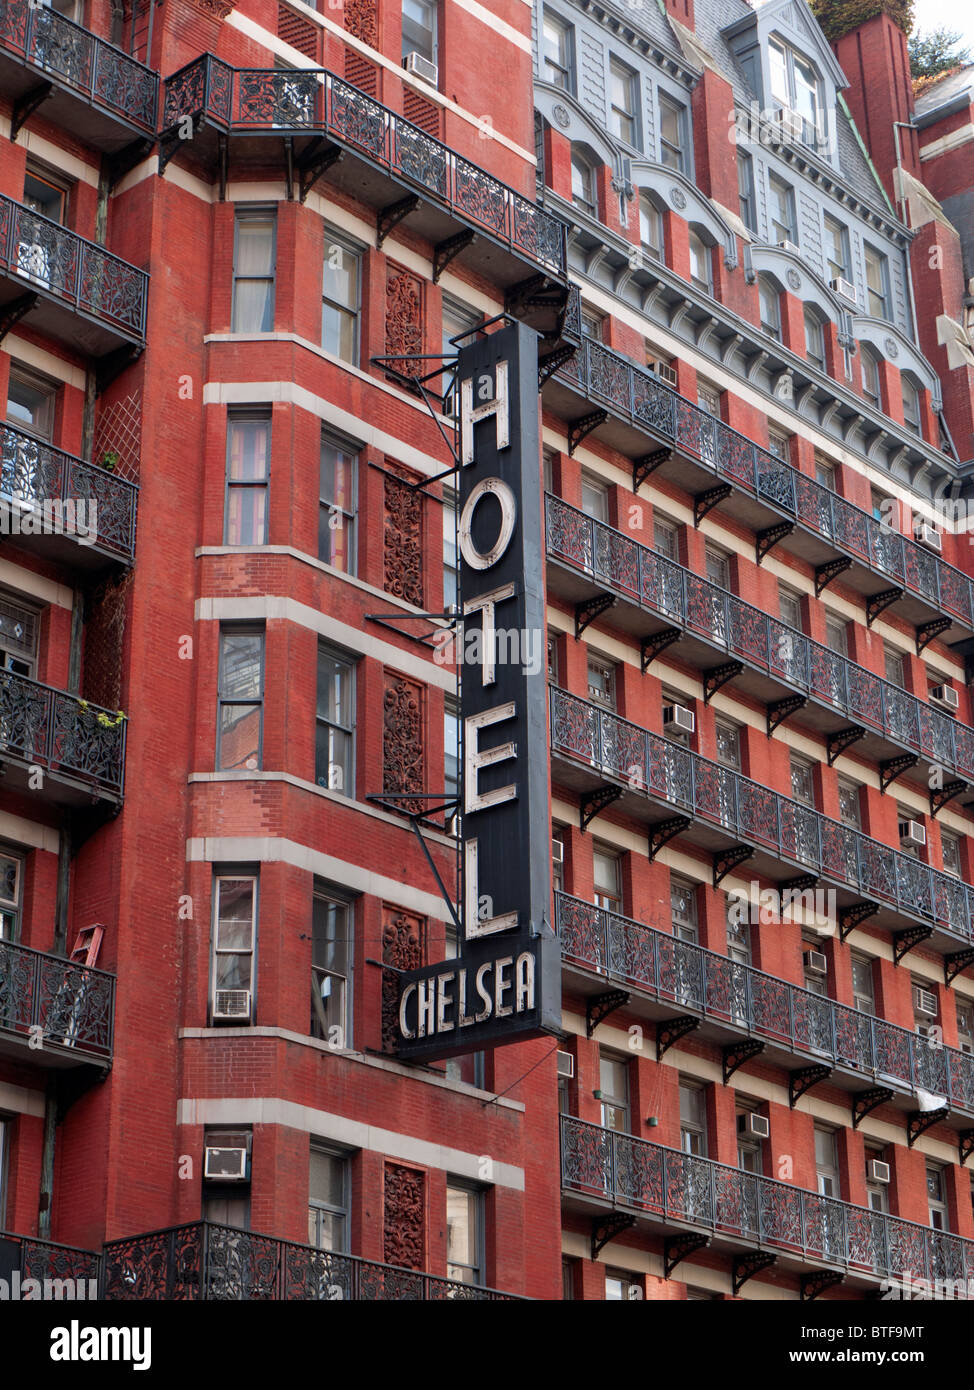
{"x": 628, "y": 408}
{"x": 205, "y": 1261}
{"x": 45, "y": 1261}
{"x": 679, "y": 1193}
{"x": 76, "y": 79}
{"x": 46, "y": 485}
{"x": 311, "y": 121}
{"x": 68, "y": 1008}
{"x": 61, "y": 284}
{"x": 661, "y": 603}
{"x": 79, "y": 747}
{"x": 734, "y": 1000}
{"x": 609, "y": 760}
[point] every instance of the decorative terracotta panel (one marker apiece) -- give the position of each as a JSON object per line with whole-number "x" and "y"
{"x": 403, "y": 935}
{"x": 402, "y": 738}
{"x": 404, "y": 1217}
{"x": 402, "y": 543}
{"x": 404, "y": 320}
{"x": 362, "y": 21}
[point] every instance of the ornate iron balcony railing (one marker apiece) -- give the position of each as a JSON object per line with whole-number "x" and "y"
{"x": 70, "y": 54}
{"x": 315, "y": 101}
{"x": 35, "y": 475}
{"x": 46, "y": 1261}
{"x": 68, "y": 737}
{"x": 206, "y": 1261}
{"x": 641, "y": 399}
{"x": 689, "y": 976}
{"x": 45, "y": 256}
{"x": 653, "y": 582}
{"x": 655, "y": 767}
{"x": 73, "y": 1005}
{"x": 670, "y": 1185}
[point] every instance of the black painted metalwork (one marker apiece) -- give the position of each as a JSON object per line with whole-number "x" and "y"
{"x": 45, "y": 1261}
{"x": 816, "y": 1283}
{"x": 940, "y": 796}
{"x": 921, "y": 1120}
{"x": 446, "y": 251}
{"x": 926, "y": 632}
{"x": 550, "y": 362}
{"x": 671, "y": 1030}
{"x": 770, "y": 536}
{"x": 824, "y": 574}
{"x": 837, "y": 743}
{"x": 313, "y": 164}
{"x": 705, "y": 502}
{"x": 647, "y": 464}
{"x": 667, "y": 830}
{"x": 853, "y": 916}
{"x": 600, "y": 1006}
{"x": 955, "y": 962}
{"x": 606, "y": 1228}
{"x": 965, "y": 1146}
{"x": 864, "y": 1102}
{"x": 878, "y": 603}
{"x": 26, "y": 105}
{"x": 803, "y": 1079}
{"x": 584, "y": 426}
{"x": 727, "y": 860}
{"x": 779, "y": 710}
{"x": 592, "y": 804}
{"x": 12, "y": 313}
{"x": 71, "y": 739}
{"x": 388, "y": 218}
{"x": 745, "y": 1267}
{"x": 735, "y": 1054}
{"x": 891, "y": 768}
{"x": 591, "y": 608}
{"x": 676, "y": 1249}
{"x": 904, "y": 941}
{"x": 652, "y": 647}
{"x": 716, "y": 676}
{"x": 67, "y": 1008}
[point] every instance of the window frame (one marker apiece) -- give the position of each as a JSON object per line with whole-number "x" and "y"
{"x": 868, "y": 356}
{"x": 607, "y": 897}
{"x": 779, "y": 188}
{"x": 621, "y": 71}
{"x": 568, "y": 34}
{"x": 619, "y": 1101}
{"x": 254, "y": 212}
{"x": 229, "y": 875}
{"x": 46, "y": 388}
{"x": 350, "y": 660}
{"x": 588, "y": 185}
{"x": 334, "y": 896}
{"x": 349, "y": 524}
{"x": 475, "y": 1197}
{"x": 693, "y": 1128}
{"x": 814, "y": 338}
{"x": 831, "y": 226}
{"x": 243, "y": 415}
{"x": 319, "y": 1205}
{"x": 701, "y": 253}
{"x": 432, "y": 7}
{"x": 877, "y": 298}
{"x": 228, "y": 630}
{"x": 747, "y": 202}
{"x": 650, "y": 213}
{"x": 673, "y": 156}
{"x": 346, "y": 247}
{"x": 769, "y": 297}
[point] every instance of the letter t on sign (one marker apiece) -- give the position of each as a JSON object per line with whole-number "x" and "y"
{"x": 498, "y": 406}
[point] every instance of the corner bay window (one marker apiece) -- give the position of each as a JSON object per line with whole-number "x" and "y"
{"x": 248, "y": 470}
{"x": 328, "y": 1200}
{"x": 254, "y": 254}
{"x": 335, "y": 722}
{"x": 234, "y": 930}
{"x": 331, "y": 954}
{"x": 337, "y": 506}
{"x": 464, "y": 1234}
{"x": 241, "y": 695}
{"x": 340, "y": 299}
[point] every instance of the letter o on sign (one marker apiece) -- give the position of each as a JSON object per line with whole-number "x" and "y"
{"x": 476, "y": 559}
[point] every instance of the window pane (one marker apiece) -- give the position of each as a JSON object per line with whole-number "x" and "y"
{"x": 249, "y": 446}
{"x": 327, "y": 1182}
{"x": 461, "y": 1226}
{"x": 241, "y": 655}
{"x": 334, "y": 689}
{"x": 235, "y": 914}
{"x": 255, "y": 246}
{"x": 338, "y": 332}
{"x": 329, "y": 947}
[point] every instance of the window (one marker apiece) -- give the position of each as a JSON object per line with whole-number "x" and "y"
{"x": 30, "y": 403}
{"x": 826, "y": 1162}
{"x": 965, "y": 1027}
{"x": 770, "y": 308}
{"x": 614, "y": 1090}
{"x": 790, "y": 608}
{"x": 717, "y": 566}
{"x": 937, "y": 1198}
{"x": 672, "y": 133}
{"x": 557, "y": 55}
{"x": 44, "y": 195}
{"x": 592, "y": 325}
{"x": 728, "y": 745}
{"x": 836, "y": 249}
{"x": 335, "y": 742}
{"x": 922, "y": 1019}
{"x": 814, "y": 340}
{"x": 824, "y": 473}
{"x": 19, "y": 627}
{"x": 894, "y": 667}
{"x": 234, "y": 929}
{"x": 602, "y": 683}
{"x": 779, "y": 444}
{"x": 877, "y": 1193}
{"x": 849, "y": 804}
{"x": 595, "y": 498}
{"x": 863, "y": 994}
{"x": 240, "y": 714}
{"x": 664, "y": 538}
{"x": 683, "y": 909}
{"x": 419, "y": 28}
{"x": 905, "y": 813}
{"x": 835, "y": 636}
{"x": 254, "y": 253}
{"x": 458, "y": 323}
{"x": 911, "y": 405}
{"x": 796, "y": 85}
{"x": 328, "y": 1194}
{"x": 749, "y": 1155}
{"x": 464, "y": 1234}
{"x": 228, "y": 1202}
{"x": 801, "y": 781}
{"x": 552, "y": 656}
{"x": 607, "y": 874}
{"x": 558, "y": 860}
{"x": 451, "y": 753}
{"x": 708, "y": 397}
{"x": 341, "y": 277}
{"x": 815, "y": 982}
{"x": 248, "y": 472}
{"x": 10, "y": 880}
{"x": 950, "y": 849}
{"x": 623, "y": 102}
{"x": 870, "y": 375}
{"x": 877, "y": 282}
{"x": 332, "y": 926}
{"x": 701, "y": 271}
{"x": 337, "y": 502}
{"x": 693, "y": 1119}
{"x": 583, "y": 184}
{"x": 650, "y": 227}
{"x": 745, "y": 189}
{"x": 619, "y": 1288}
{"x": 451, "y": 559}
{"x": 782, "y": 209}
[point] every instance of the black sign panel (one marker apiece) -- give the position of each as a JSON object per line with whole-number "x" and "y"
{"x": 506, "y": 984}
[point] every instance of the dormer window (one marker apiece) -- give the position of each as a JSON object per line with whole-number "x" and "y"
{"x": 796, "y": 85}
{"x": 877, "y": 282}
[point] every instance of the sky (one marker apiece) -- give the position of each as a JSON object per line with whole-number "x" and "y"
{"x": 957, "y": 15}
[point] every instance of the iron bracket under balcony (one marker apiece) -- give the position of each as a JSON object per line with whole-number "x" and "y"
{"x": 665, "y": 831}
{"x": 737, "y": 1053}
{"x": 716, "y": 676}
{"x": 824, "y": 574}
{"x": 745, "y": 1267}
{"x": 592, "y": 803}
{"x": 837, "y": 743}
{"x": 926, "y": 632}
{"x": 940, "y": 796}
{"x": 780, "y": 710}
{"x": 676, "y": 1249}
{"x": 804, "y": 1079}
{"x": 606, "y": 1228}
{"x": 768, "y": 538}
{"x": 584, "y": 426}
{"x": 726, "y": 860}
{"x": 647, "y": 464}
{"x": 904, "y": 941}
{"x": 656, "y": 645}
{"x": 816, "y": 1283}
{"x": 589, "y": 609}
{"x": 671, "y": 1030}
{"x": 955, "y": 962}
{"x": 891, "y": 768}
{"x": 878, "y": 603}
{"x": 854, "y": 915}
{"x": 600, "y": 1006}
{"x": 864, "y": 1102}
{"x": 921, "y": 1120}
{"x": 704, "y": 502}
{"x": 965, "y": 1146}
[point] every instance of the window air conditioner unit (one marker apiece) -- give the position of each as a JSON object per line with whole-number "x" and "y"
{"x": 877, "y": 1171}
{"x": 816, "y": 962}
{"x": 945, "y": 695}
{"x": 557, "y": 852}
{"x": 924, "y": 1001}
{"x": 789, "y": 121}
{"x": 232, "y": 1003}
{"x": 912, "y": 834}
{"x": 752, "y": 1126}
{"x": 679, "y": 717}
{"x": 225, "y": 1165}
{"x": 789, "y": 246}
{"x": 419, "y": 66}
{"x": 566, "y": 1065}
{"x": 928, "y": 536}
{"x": 665, "y": 373}
{"x": 846, "y": 288}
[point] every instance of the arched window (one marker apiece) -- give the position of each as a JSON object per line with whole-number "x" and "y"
{"x": 583, "y": 184}
{"x": 650, "y": 227}
{"x": 701, "y": 272}
{"x": 870, "y": 375}
{"x": 814, "y": 339}
{"x": 770, "y": 308}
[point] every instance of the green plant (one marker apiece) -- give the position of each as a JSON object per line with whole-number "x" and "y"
{"x": 109, "y": 459}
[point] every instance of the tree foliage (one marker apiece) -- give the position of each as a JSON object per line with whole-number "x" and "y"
{"x": 936, "y": 52}
{"x": 838, "y": 17}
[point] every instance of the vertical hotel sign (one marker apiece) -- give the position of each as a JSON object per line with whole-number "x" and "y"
{"x": 506, "y": 983}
